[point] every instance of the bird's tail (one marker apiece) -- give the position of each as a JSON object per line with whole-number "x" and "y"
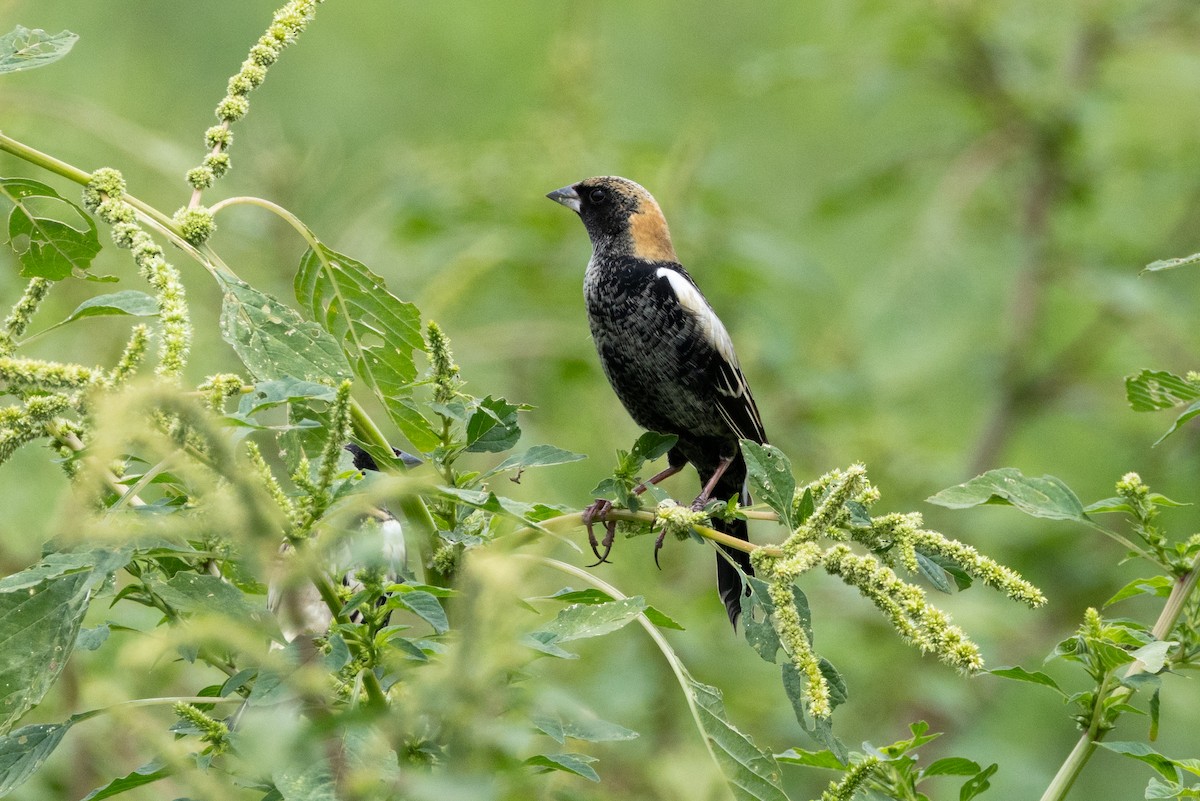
{"x": 729, "y": 582}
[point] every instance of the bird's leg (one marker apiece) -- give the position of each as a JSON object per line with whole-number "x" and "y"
{"x": 598, "y": 509}
{"x": 706, "y": 494}
{"x": 601, "y": 507}
{"x": 665, "y": 474}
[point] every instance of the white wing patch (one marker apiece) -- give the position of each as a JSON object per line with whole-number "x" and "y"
{"x": 710, "y": 325}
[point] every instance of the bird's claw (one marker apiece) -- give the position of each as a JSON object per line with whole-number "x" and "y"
{"x": 599, "y": 509}
{"x": 658, "y": 544}
{"x": 700, "y": 502}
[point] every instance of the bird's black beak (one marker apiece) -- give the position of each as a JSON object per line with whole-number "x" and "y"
{"x": 566, "y": 196}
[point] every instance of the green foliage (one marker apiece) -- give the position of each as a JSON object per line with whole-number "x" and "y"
{"x": 24, "y": 49}
{"x": 351, "y": 665}
{"x": 46, "y": 245}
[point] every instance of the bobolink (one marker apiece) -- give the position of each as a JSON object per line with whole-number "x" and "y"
{"x": 666, "y": 353}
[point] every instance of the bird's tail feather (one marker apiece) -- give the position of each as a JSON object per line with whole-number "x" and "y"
{"x": 729, "y": 582}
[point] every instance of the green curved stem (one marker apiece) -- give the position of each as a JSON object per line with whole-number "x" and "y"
{"x": 681, "y": 674}
{"x": 1073, "y": 765}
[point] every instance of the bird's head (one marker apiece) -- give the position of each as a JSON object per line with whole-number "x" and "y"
{"x": 621, "y": 217}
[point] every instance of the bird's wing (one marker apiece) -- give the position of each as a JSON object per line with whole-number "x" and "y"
{"x": 734, "y": 400}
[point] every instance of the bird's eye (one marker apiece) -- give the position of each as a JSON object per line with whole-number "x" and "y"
{"x": 598, "y": 196}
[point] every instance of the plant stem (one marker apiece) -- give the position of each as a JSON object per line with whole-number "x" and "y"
{"x": 1060, "y": 785}
{"x": 681, "y": 674}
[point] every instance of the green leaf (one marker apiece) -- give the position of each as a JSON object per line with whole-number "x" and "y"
{"x": 580, "y": 621}
{"x": 128, "y": 302}
{"x": 377, "y": 331}
{"x": 46, "y": 246}
{"x": 273, "y": 340}
{"x": 813, "y": 759}
{"x": 951, "y": 766}
{"x": 203, "y": 594}
{"x": 1144, "y": 753}
{"x": 820, "y": 729}
{"x": 1152, "y": 390}
{"x": 650, "y": 446}
{"x": 38, "y": 628}
{"x": 313, "y": 782}
{"x": 23, "y": 751}
{"x": 24, "y": 49}
{"x": 101, "y": 560}
{"x": 935, "y": 573}
{"x": 268, "y": 394}
{"x": 592, "y": 730}
{"x": 569, "y": 763}
{"x": 537, "y": 456}
{"x": 1046, "y": 497}
{"x": 1019, "y": 673}
{"x": 593, "y": 596}
{"x": 493, "y": 426}
{"x": 1154, "y": 655}
{"x": 751, "y": 773}
{"x": 1170, "y": 264}
{"x": 977, "y": 784}
{"x": 770, "y": 473}
{"x": 1188, "y": 414}
{"x": 1157, "y": 586}
{"x": 91, "y": 639}
{"x": 146, "y": 774}
{"x": 424, "y": 606}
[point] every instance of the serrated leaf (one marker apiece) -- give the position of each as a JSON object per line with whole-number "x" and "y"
{"x": 1019, "y": 673}
{"x": 146, "y": 774}
{"x": 493, "y": 426}
{"x": 273, "y": 340}
{"x": 25, "y": 49}
{"x": 951, "y": 766}
{"x": 377, "y": 331}
{"x": 770, "y": 474}
{"x": 38, "y": 628}
{"x": 1046, "y": 497}
{"x": 1152, "y": 390}
{"x": 23, "y": 751}
{"x": 424, "y": 606}
{"x": 812, "y": 759}
{"x": 569, "y": 763}
{"x": 1144, "y": 753}
{"x": 1170, "y": 264}
{"x": 47, "y": 246}
{"x": 751, "y": 773}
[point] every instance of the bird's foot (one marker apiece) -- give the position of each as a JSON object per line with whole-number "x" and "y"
{"x": 701, "y": 501}
{"x": 658, "y": 544}
{"x": 599, "y": 509}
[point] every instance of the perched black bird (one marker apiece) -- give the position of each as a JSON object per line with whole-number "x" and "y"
{"x": 665, "y": 352}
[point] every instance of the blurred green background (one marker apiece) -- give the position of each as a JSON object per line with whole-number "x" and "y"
{"x": 922, "y": 224}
